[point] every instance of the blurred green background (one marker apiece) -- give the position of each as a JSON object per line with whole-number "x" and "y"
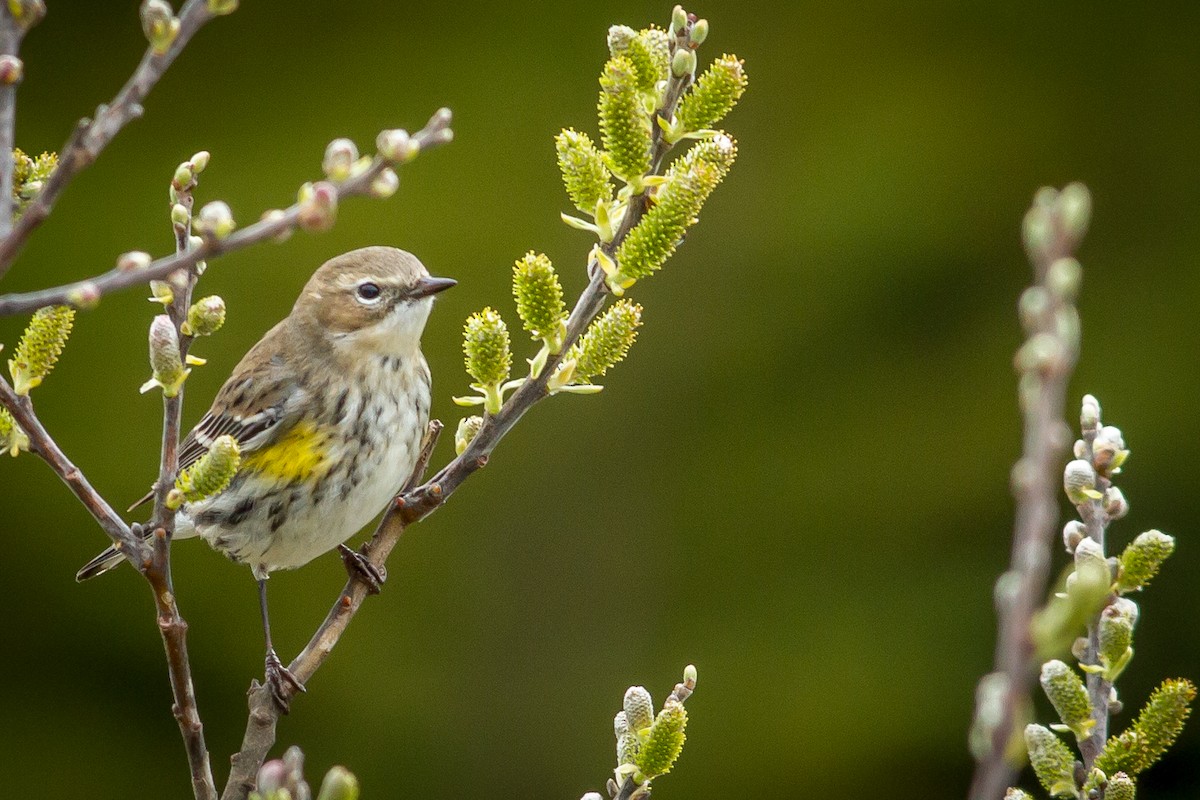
{"x": 799, "y": 481}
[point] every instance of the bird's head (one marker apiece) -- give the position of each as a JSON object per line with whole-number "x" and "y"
{"x": 374, "y": 297}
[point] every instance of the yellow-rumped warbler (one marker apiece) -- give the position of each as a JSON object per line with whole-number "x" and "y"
{"x": 328, "y": 409}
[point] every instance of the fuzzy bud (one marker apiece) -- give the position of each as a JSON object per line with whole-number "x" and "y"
{"x": 687, "y": 185}
{"x": 664, "y": 741}
{"x": 133, "y": 260}
{"x": 607, "y": 340}
{"x": 160, "y": 25}
{"x": 12, "y": 70}
{"x": 1089, "y": 556}
{"x": 27, "y": 13}
{"x": 397, "y": 146}
{"x": 1014, "y": 793}
{"x": 486, "y": 354}
{"x": 539, "y": 297}
{"x": 165, "y": 361}
{"x": 1063, "y": 278}
{"x": 1089, "y": 414}
{"x": 340, "y": 156}
{"x": 12, "y": 439}
{"x": 1067, "y": 694}
{"x": 1073, "y": 533}
{"x": 591, "y": 796}
{"x": 1156, "y": 728}
{"x": 624, "y": 125}
{"x": 628, "y": 742}
{"x": 679, "y": 20}
{"x": 339, "y": 784}
{"x": 639, "y": 708}
{"x": 583, "y": 170}
{"x": 1115, "y": 504}
{"x": 1108, "y": 450}
{"x": 683, "y": 63}
{"x": 205, "y": 317}
{"x": 1079, "y": 482}
{"x": 1142, "y": 559}
{"x": 1075, "y": 209}
{"x": 40, "y": 346}
{"x": 715, "y": 94}
{"x": 215, "y": 219}
{"x": 219, "y": 8}
{"x": 1116, "y": 636}
{"x": 318, "y": 206}
{"x": 212, "y": 472}
{"x": 699, "y": 32}
{"x": 385, "y": 184}
{"x": 468, "y": 428}
{"x": 1052, "y": 761}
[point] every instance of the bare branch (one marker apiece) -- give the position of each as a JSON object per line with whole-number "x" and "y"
{"x": 436, "y": 132}
{"x": 10, "y": 43}
{"x": 419, "y": 502}
{"x": 91, "y": 136}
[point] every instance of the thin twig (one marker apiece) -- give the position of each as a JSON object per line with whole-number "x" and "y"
{"x": 421, "y": 501}
{"x": 171, "y": 624}
{"x": 91, "y": 136}
{"x": 436, "y": 132}
{"x": 10, "y": 44}
{"x": 1035, "y": 485}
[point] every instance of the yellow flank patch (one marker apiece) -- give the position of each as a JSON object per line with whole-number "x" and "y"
{"x": 297, "y": 456}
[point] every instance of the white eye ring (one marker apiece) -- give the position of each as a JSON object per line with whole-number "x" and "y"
{"x": 368, "y": 293}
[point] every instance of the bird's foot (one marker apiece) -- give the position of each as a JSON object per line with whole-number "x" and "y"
{"x": 359, "y": 566}
{"x": 282, "y": 683}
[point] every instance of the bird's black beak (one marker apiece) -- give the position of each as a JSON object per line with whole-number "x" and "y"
{"x": 430, "y": 285}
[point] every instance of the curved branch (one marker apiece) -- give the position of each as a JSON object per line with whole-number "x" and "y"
{"x": 87, "y": 292}
{"x": 91, "y": 136}
{"x": 419, "y": 502}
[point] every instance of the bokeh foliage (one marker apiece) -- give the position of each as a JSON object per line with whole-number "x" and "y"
{"x": 798, "y": 481}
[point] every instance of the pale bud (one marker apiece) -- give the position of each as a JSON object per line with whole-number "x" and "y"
{"x": 397, "y": 146}
{"x": 12, "y": 69}
{"x": 165, "y": 361}
{"x": 1079, "y": 482}
{"x": 385, "y": 184}
{"x": 318, "y": 206}
{"x": 1073, "y": 533}
{"x": 639, "y": 708}
{"x": 1064, "y": 277}
{"x": 215, "y": 220}
{"x": 699, "y": 32}
{"x": 683, "y": 63}
{"x": 1115, "y": 505}
{"x": 340, "y": 156}
{"x": 133, "y": 260}
{"x": 1089, "y": 414}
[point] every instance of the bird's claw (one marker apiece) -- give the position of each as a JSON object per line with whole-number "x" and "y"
{"x": 281, "y": 682}
{"x": 359, "y": 566}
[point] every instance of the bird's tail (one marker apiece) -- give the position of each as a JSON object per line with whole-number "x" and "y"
{"x": 110, "y": 558}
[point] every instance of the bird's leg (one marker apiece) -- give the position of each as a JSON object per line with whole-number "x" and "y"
{"x": 282, "y": 683}
{"x": 359, "y": 566}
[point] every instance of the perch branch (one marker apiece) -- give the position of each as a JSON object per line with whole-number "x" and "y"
{"x": 10, "y": 43}
{"x": 91, "y": 136}
{"x": 419, "y": 502}
{"x": 436, "y": 132}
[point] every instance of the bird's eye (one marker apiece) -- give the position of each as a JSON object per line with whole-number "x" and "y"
{"x": 369, "y": 291}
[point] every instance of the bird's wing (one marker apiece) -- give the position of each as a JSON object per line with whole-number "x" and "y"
{"x": 261, "y": 400}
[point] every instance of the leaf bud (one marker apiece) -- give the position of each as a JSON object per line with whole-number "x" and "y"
{"x": 1089, "y": 414}
{"x": 1079, "y": 482}
{"x": 215, "y": 220}
{"x": 1108, "y": 450}
{"x": 1063, "y": 278}
{"x": 468, "y": 428}
{"x": 339, "y": 784}
{"x": 340, "y": 156}
{"x": 699, "y": 32}
{"x": 1051, "y": 760}
{"x": 1115, "y": 504}
{"x": 1067, "y": 694}
{"x": 1075, "y": 209}
{"x": 205, "y": 317}
{"x": 318, "y": 206}
{"x": 84, "y": 295}
{"x": 133, "y": 261}
{"x": 165, "y": 362}
{"x": 679, "y": 20}
{"x": 397, "y": 146}
{"x": 1073, "y": 533}
{"x": 385, "y": 184}
{"x": 12, "y": 70}
{"x": 683, "y": 63}
{"x": 219, "y": 8}
{"x": 27, "y": 13}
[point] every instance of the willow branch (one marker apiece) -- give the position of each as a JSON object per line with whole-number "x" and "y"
{"x": 157, "y": 571}
{"x": 10, "y": 42}
{"x": 1036, "y": 481}
{"x": 272, "y": 226}
{"x": 1099, "y": 687}
{"x": 91, "y": 136}
{"x": 419, "y": 502}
